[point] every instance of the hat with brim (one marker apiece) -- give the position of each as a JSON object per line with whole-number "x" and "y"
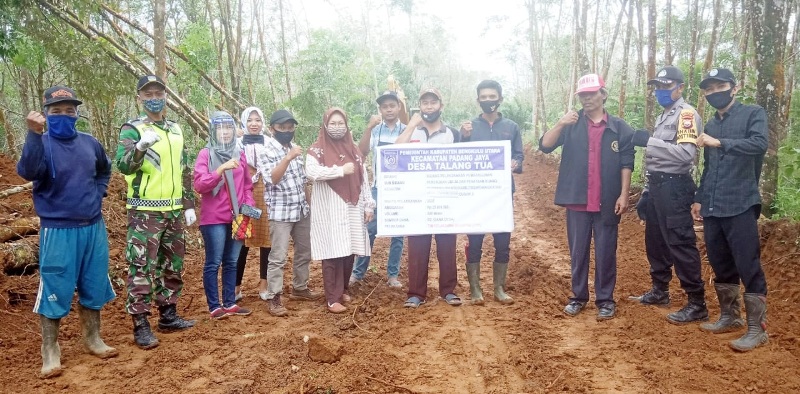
{"x": 60, "y": 94}
{"x": 281, "y": 116}
{"x": 387, "y": 95}
{"x": 147, "y": 80}
{"x": 590, "y": 83}
{"x": 667, "y": 75}
{"x": 432, "y": 91}
{"x": 718, "y": 74}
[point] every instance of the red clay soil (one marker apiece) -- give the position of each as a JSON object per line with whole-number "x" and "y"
{"x": 528, "y": 347}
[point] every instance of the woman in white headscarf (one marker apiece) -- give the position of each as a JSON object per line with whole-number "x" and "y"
{"x": 252, "y": 143}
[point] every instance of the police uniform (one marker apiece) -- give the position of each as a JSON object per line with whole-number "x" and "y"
{"x": 669, "y": 229}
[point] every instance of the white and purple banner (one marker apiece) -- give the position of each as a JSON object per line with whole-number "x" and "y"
{"x": 460, "y": 188}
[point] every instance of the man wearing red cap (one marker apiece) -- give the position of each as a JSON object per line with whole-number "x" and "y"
{"x": 593, "y": 185}
{"x": 70, "y": 173}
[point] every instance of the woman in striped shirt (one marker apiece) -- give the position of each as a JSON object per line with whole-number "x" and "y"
{"x": 341, "y": 205}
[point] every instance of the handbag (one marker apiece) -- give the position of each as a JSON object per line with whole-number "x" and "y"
{"x": 241, "y": 227}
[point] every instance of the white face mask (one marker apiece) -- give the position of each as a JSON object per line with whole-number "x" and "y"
{"x": 337, "y": 132}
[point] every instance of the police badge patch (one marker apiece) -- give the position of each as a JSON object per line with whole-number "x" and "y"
{"x": 687, "y": 129}
{"x": 390, "y": 158}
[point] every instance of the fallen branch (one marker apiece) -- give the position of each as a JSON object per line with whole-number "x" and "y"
{"x": 355, "y": 310}
{"x": 19, "y": 228}
{"x": 18, "y": 256}
{"x": 391, "y": 385}
{"x": 16, "y": 189}
{"x": 549, "y": 386}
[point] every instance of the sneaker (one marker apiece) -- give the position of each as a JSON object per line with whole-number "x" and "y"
{"x": 574, "y": 307}
{"x": 353, "y": 280}
{"x": 304, "y": 295}
{"x": 236, "y": 310}
{"x": 393, "y": 282}
{"x": 653, "y": 296}
{"x": 606, "y": 311}
{"x": 218, "y": 314}
{"x": 263, "y": 295}
{"x": 276, "y": 307}
{"x": 336, "y": 308}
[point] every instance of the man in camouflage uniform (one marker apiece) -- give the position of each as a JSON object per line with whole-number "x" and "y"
{"x": 152, "y": 156}
{"x": 666, "y": 202}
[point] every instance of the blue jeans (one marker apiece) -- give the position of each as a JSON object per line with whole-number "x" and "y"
{"x": 395, "y": 249}
{"x": 221, "y": 249}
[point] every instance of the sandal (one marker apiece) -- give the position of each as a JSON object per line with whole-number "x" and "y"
{"x": 413, "y": 302}
{"x": 452, "y": 299}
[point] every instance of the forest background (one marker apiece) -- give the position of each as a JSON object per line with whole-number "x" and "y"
{"x": 308, "y": 55}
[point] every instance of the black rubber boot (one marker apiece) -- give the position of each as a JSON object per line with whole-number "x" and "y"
{"x": 695, "y": 310}
{"x": 756, "y": 307}
{"x": 170, "y": 321}
{"x": 654, "y": 296}
{"x": 730, "y": 315}
{"x": 141, "y": 332}
{"x": 51, "y": 352}
{"x": 474, "y": 276}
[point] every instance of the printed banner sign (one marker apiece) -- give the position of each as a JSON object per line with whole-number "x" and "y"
{"x": 460, "y": 188}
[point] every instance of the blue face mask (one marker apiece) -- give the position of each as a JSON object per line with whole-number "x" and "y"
{"x": 664, "y": 96}
{"x": 62, "y": 126}
{"x": 155, "y": 105}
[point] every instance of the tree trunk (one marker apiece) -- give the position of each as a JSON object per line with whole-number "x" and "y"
{"x": 640, "y": 69}
{"x": 625, "y": 61}
{"x": 694, "y": 18}
{"x": 769, "y": 34}
{"x": 744, "y": 43}
{"x": 792, "y": 54}
{"x": 652, "y": 39}
{"x": 607, "y": 59}
{"x": 712, "y": 43}
{"x": 283, "y": 51}
{"x": 11, "y": 143}
{"x": 19, "y": 228}
{"x": 668, "y": 55}
{"x": 262, "y": 42}
{"x": 16, "y": 189}
{"x": 20, "y": 257}
{"x": 160, "y": 38}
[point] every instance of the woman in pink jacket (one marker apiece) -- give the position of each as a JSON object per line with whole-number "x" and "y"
{"x": 221, "y": 178}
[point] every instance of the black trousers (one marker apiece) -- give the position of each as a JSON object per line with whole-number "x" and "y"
{"x": 502, "y": 242}
{"x": 263, "y": 255}
{"x": 581, "y": 228}
{"x": 734, "y": 250}
{"x": 669, "y": 233}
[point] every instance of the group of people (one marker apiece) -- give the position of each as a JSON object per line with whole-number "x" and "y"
{"x": 255, "y": 192}
{"x": 597, "y": 159}
{"x": 262, "y": 190}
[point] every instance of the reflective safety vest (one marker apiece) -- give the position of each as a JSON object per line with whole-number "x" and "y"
{"x": 158, "y": 185}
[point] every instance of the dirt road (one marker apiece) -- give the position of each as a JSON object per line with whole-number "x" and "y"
{"x": 528, "y": 347}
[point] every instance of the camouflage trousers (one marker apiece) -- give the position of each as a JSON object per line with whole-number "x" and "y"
{"x": 155, "y": 259}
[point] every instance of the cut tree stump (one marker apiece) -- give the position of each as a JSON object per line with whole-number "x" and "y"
{"x": 20, "y": 257}
{"x": 16, "y": 189}
{"x": 19, "y": 228}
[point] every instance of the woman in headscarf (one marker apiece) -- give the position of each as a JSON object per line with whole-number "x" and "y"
{"x": 221, "y": 178}
{"x": 252, "y": 143}
{"x": 341, "y": 205}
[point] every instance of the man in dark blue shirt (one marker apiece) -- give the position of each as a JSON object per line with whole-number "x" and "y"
{"x": 70, "y": 172}
{"x": 729, "y": 204}
{"x": 491, "y": 126}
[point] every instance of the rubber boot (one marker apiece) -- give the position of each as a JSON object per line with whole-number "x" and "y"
{"x": 500, "y": 271}
{"x": 730, "y": 317}
{"x": 474, "y": 276}
{"x": 51, "y": 352}
{"x": 756, "y": 307}
{"x": 170, "y": 321}
{"x": 141, "y": 332}
{"x": 90, "y": 326}
{"x": 694, "y": 311}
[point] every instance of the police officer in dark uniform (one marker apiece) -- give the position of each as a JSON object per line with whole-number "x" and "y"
{"x": 666, "y": 203}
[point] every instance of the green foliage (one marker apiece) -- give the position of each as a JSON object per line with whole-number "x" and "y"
{"x": 519, "y": 111}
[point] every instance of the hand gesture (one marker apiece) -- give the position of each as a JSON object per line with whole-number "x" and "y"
{"x": 414, "y": 121}
{"x": 35, "y": 122}
{"x": 228, "y": 165}
{"x": 149, "y": 138}
{"x": 569, "y": 118}
{"x": 374, "y": 120}
{"x": 706, "y": 140}
{"x": 348, "y": 168}
{"x": 696, "y": 212}
{"x": 294, "y": 152}
{"x": 466, "y": 128}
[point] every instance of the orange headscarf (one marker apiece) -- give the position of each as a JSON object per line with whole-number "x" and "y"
{"x": 330, "y": 152}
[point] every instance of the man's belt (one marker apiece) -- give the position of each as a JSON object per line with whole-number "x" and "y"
{"x": 656, "y": 176}
{"x": 138, "y": 202}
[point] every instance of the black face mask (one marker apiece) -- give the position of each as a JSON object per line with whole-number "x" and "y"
{"x": 720, "y": 100}
{"x": 248, "y": 139}
{"x": 431, "y": 117}
{"x": 284, "y": 137}
{"x": 489, "y": 106}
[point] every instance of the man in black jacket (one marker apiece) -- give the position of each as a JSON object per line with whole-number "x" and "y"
{"x": 593, "y": 185}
